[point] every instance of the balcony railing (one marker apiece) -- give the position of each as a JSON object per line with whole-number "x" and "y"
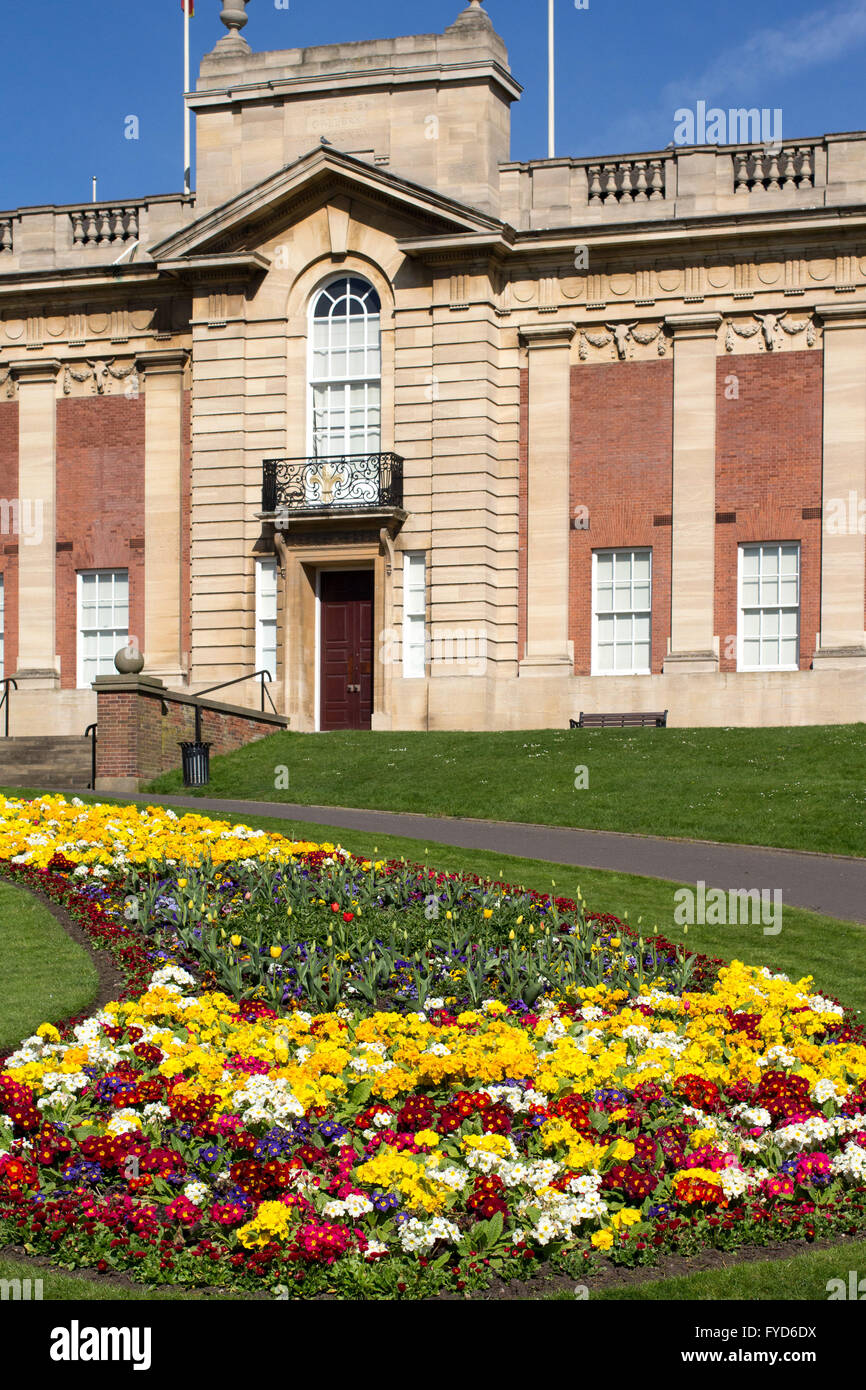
{"x": 353, "y": 481}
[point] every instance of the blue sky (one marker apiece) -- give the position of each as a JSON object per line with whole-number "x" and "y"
{"x": 77, "y": 68}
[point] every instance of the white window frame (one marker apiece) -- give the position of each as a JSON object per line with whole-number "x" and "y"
{"x": 314, "y": 380}
{"x": 121, "y": 636}
{"x": 413, "y": 562}
{"x": 630, "y": 550}
{"x": 761, "y": 546}
{"x": 266, "y": 564}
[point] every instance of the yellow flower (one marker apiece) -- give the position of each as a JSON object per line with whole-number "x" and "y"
{"x": 488, "y": 912}
{"x": 427, "y": 1137}
{"x": 623, "y": 1150}
{"x": 629, "y": 1216}
{"x": 181, "y": 883}
{"x": 276, "y": 952}
{"x": 602, "y": 1240}
{"x": 236, "y": 940}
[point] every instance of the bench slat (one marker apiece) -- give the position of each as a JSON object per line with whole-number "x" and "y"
{"x": 626, "y": 720}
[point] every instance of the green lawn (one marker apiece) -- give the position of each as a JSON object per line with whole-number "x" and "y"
{"x": 45, "y": 975}
{"x": 803, "y": 1277}
{"x": 799, "y": 788}
{"x": 58, "y": 1287}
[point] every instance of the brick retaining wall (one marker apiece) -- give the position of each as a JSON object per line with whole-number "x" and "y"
{"x": 141, "y": 725}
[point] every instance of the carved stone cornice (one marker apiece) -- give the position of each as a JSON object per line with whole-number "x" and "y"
{"x": 162, "y": 361}
{"x": 836, "y": 316}
{"x": 685, "y": 326}
{"x": 35, "y": 371}
{"x": 546, "y": 335}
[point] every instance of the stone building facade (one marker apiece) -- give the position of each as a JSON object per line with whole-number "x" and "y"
{"x": 439, "y": 439}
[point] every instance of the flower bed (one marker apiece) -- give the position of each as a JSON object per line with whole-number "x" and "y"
{"x": 327, "y": 1073}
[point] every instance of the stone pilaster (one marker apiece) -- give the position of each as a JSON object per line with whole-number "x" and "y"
{"x": 842, "y": 641}
{"x": 163, "y": 570}
{"x": 693, "y": 646}
{"x": 38, "y": 662}
{"x": 548, "y": 649}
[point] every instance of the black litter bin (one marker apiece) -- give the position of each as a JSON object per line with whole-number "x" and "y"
{"x": 196, "y": 763}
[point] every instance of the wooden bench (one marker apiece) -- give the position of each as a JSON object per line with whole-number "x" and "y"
{"x": 657, "y": 719}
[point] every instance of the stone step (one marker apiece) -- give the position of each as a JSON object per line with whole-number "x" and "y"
{"x": 49, "y": 761}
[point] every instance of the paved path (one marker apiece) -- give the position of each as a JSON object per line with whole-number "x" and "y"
{"x": 825, "y": 883}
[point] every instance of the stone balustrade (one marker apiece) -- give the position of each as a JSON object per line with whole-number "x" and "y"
{"x": 60, "y": 237}
{"x": 684, "y": 181}
{"x": 774, "y": 170}
{"x": 96, "y": 225}
{"x": 626, "y": 181}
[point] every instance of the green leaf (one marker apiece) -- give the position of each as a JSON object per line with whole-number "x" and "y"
{"x": 362, "y": 1092}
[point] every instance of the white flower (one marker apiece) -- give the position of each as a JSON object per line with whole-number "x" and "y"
{"x": 825, "y": 1090}
{"x": 356, "y": 1204}
{"x": 375, "y": 1247}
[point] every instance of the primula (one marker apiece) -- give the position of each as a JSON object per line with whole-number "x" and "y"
{"x": 183, "y": 1118}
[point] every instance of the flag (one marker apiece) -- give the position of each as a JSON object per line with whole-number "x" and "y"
{"x": 188, "y": 5}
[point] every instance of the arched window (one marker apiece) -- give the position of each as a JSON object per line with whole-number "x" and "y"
{"x": 346, "y": 369}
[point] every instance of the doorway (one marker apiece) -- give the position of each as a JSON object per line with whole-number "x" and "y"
{"x": 346, "y": 649}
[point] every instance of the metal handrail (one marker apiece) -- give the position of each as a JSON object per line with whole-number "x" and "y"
{"x": 10, "y": 680}
{"x": 237, "y": 680}
{"x": 91, "y": 730}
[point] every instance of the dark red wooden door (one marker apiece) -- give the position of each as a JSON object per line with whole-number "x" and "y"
{"x": 347, "y": 649}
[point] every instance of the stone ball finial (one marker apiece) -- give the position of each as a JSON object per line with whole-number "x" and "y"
{"x": 129, "y": 661}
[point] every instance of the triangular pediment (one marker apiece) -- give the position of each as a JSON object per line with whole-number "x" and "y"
{"x": 249, "y": 220}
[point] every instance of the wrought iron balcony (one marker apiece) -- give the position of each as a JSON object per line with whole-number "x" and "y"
{"x": 354, "y": 481}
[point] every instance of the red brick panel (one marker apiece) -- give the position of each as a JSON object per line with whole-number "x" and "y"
{"x": 768, "y": 469}
{"x": 100, "y": 507}
{"x": 622, "y": 441}
{"x": 9, "y": 492}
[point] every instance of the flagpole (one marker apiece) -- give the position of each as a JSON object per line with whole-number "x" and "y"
{"x": 186, "y": 136}
{"x": 551, "y": 104}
